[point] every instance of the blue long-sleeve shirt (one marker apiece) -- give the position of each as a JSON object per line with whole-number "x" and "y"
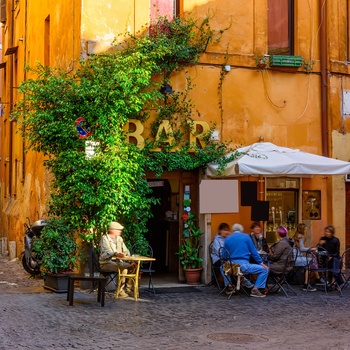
{"x": 218, "y": 242}
{"x": 241, "y": 247}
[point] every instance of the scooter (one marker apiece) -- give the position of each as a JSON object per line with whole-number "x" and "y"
{"x": 30, "y": 259}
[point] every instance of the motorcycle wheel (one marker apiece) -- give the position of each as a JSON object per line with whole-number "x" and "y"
{"x": 33, "y": 270}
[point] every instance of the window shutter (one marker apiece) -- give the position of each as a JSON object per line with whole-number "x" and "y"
{"x": 3, "y": 11}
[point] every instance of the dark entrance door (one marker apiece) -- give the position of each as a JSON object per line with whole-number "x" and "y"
{"x": 163, "y": 231}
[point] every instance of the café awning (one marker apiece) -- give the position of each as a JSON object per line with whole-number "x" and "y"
{"x": 265, "y": 158}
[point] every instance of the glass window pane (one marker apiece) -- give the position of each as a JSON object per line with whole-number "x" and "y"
{"x": 279, "y": 19}
{"x": 162, "y": 8}
{"x": 283, "y": 210}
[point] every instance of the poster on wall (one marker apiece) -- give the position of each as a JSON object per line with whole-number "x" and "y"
{"x": 218, "y": 196}
{"x": 311, "y": 205}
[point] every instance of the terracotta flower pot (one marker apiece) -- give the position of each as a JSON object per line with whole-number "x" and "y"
{"x": 193, "y": 276}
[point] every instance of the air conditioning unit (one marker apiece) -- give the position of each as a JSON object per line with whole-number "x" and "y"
{"x": 347, "y": 177}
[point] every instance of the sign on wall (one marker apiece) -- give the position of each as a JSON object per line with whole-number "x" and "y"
{"x": 218, "y": 196}
{"x": 312, "y": 205}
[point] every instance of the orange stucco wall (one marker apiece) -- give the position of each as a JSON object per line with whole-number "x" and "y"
{"x": 24, "y": 184}
{"x": 280, "y": 105}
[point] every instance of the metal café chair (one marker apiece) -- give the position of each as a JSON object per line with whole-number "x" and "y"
{"x": 228, "y": 280}
{"x": 317, "y": 261}
{"x": 143, "y": 248}
{"x": 232, "y": 273}
{"x": 345, "y": 268}
{"x": 334, "y": 274}
{"x": 300, "y": 267}
{"x": 280, "y": 280}
{"x": 110, "y": 275}
{"x": 215, "y": 270}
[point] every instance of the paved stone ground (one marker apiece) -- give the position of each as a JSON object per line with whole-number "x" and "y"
{"x": 32, "y": 318}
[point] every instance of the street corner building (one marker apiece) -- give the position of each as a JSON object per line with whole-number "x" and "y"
{"x": 283, "y": 83}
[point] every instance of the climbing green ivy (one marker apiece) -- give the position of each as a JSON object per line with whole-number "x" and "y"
{"x": 106, "y": 91}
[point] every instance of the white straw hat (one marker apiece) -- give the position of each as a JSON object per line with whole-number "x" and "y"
{"x": 114, "y": 225}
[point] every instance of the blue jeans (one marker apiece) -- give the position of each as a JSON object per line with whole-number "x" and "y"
{"x": 255, "y": 269}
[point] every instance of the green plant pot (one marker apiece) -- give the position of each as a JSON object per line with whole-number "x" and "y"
{"x": 56, "y": 283}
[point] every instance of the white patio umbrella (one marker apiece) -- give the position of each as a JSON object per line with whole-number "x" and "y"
{"x": 265, "y": 158}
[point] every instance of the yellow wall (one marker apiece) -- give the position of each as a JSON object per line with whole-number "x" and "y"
{"x": 104, "y": 21}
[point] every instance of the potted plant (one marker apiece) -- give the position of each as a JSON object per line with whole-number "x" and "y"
{"x": 261, "y": 61}
{"x": 57, "y": 249}
{"x": 189, "y": 248}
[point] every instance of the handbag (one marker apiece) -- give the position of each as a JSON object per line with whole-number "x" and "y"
{"x": 313, "y": 263}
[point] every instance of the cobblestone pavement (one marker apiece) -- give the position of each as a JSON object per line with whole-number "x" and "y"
{"x": 32, "y": 318}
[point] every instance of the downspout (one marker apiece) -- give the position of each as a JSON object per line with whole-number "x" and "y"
{"x": 323, "y": 64}
{"x": 11, "y": 96}
{"x": 24, "y": 79}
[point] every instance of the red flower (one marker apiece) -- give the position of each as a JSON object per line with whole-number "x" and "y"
{"x": 185, "y": 217}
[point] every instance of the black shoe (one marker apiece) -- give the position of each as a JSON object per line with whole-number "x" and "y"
{"x": 309, "y": 288}
{"x": 320, "y": 282}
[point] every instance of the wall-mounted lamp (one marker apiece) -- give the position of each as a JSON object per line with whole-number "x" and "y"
{"x": 20, "y": 39}
{"x": 166, "y": 89}
{"x": 227, "y": 67}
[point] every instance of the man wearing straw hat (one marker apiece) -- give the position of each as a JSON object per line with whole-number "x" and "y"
{"x": 111, "y": 246}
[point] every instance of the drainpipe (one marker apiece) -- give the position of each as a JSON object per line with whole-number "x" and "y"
{"x": 11, "y": 59}
{"x": 323, "y": 63}
{"x": 24, "y": 79}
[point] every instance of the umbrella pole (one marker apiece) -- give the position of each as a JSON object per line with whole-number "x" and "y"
{"x": 261, "y": 190}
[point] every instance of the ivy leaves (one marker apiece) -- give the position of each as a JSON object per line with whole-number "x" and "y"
{"x": 106, "y": 91}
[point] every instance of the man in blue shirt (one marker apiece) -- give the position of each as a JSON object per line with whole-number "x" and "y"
{"x": 241, "y": 249}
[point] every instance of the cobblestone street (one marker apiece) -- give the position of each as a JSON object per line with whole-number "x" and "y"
{"x": 33, "y": 318}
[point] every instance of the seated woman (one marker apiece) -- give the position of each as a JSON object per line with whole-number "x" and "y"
{"x": 279, "y": 251}
{"x": 300, "y": 261}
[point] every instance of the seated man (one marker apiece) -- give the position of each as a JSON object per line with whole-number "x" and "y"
{"x": 241, "y": 249}
{"x": 112, "y": 245}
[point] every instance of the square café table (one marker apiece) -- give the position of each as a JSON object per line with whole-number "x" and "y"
{"x": 133, "y": 276}
{"x": 101, "y": 280}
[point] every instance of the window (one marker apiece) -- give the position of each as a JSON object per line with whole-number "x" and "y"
{"x": 163, "y": 8}
{"x": 281, "y": 27}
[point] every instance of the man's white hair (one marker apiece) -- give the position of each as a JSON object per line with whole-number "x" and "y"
{"x": 237, "y": 227}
